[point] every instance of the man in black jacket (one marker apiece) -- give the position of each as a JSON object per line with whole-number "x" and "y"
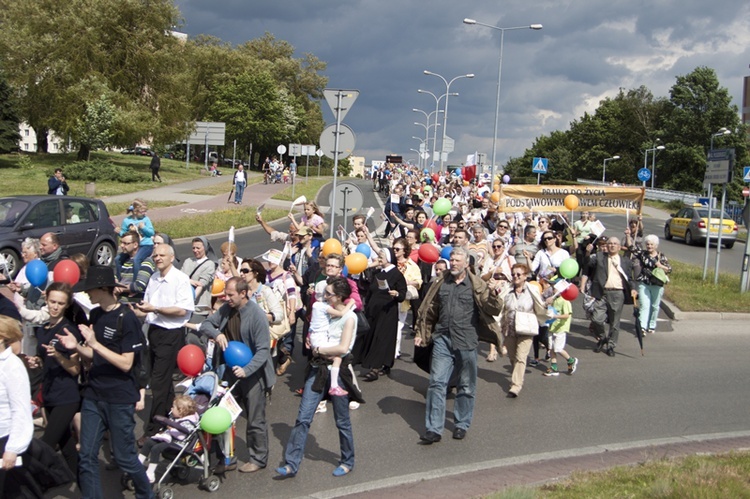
{"x": 612, "y": 284}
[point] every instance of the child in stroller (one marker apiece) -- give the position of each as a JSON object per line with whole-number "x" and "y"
{"x": 185, "y": 414}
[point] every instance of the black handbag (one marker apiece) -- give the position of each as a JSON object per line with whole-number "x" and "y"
{"x": 363, "y": 326}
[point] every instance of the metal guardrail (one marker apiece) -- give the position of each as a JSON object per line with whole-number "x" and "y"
{"x": 654, "y": 194}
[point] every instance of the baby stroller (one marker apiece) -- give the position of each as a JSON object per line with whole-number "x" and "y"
{"x": 193, "y": 452}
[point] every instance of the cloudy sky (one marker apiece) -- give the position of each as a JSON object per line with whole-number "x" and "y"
{"x": 587, "y": 50}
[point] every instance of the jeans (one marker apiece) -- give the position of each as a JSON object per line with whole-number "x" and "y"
{"x": 96, "y": 417}
{"x": 295, "y": 448}
{"x": 649, "y": 297}
{"x": 444, "y": 360}
{"x": 143, "y": 252}
{"x": 239, "y": 190}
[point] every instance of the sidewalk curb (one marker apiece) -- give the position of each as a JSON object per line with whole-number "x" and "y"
{"x": 675, "y": 314}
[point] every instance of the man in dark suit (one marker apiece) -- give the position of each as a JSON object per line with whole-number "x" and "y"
{"x": 612, "y": 284}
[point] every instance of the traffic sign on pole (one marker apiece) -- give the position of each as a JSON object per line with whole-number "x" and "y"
{"x": 539, "y": 165}
{"x": 338, "y": 107}
{"x": 644, "y": 174}
{"x": 746, "y": 173}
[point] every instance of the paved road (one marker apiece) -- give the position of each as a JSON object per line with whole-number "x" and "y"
{"x": 687, "y": 383}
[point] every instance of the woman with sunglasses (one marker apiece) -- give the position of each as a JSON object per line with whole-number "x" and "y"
{"x": 550, "y": 254}
{"x": 497, "y": 267}
{"x": 387, "y": 292}
{"x": 255, "y": 275}
{"x": 520, "y": 298}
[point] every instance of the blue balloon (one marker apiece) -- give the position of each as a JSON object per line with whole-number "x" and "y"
{"x": 365, "y": 249}
{"x": 387, "y": 172}
{"x": 445, "y": 253}
{"x": 345, "y": 271}
{"x": 315, "y": 243}
{"x": 36, "y": 273}
{"x": 237, "y": 354}
{"x": 458, "y": 171}
{"x": 426, "y": 171}
{"x": 429, "y": 181}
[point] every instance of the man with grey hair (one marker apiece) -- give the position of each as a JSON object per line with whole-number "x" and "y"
{"x": 457, "y": 310}
{"x": 167, "y": 305}
{"x": 612, "y": 283}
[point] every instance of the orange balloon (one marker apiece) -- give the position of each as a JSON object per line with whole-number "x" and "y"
{"x": 217, "y": 287}
{"x": 496, "y": 186}
{"x": 495, "y": 197}
{"x": 332, "y": 246}
{"x": 536, "y": 285}
{"x": 356, "y": 263}
{"x": 571, "y": 202}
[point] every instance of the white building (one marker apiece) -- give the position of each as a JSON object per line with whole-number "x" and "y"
{"x": 28, "y": 141}
{"x": 358, "y": 165}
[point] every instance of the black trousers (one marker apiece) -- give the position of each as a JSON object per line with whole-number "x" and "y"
{"x": 165, "y": 344}
{"x": 58, "y": 432}
{"x": 542, "y": 339}
{"x": 155, "y": 175}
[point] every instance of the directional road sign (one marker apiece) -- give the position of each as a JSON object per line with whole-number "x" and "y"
{"x": 746, "y": 174}
{"x": 539, "y": 165}
{"x": 719, "y": 167}
{"x": 644, "y": 174}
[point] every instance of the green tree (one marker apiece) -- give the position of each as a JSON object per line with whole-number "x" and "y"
{"x": 59, "y": 55}
{"x": 94, "y": 129}
{"x": 9, "y": 118}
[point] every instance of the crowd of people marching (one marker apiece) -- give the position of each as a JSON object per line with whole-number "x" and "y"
{"x": 445, "y": 265}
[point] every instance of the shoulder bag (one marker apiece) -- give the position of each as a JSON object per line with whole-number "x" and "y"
{"x": 526, "y": 324}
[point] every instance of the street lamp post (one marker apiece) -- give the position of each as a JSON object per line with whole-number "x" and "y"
{"x": 423, "y": 147}
{"x": 427, "y": 130}
{"x": 445, "y": 116}
{"x": 499, "y": 77}
{"x": 436, "y": 112}
{"x": 653, "y": 164}
{"x": 722, "y": 132}
{"x": 604, "y": 169}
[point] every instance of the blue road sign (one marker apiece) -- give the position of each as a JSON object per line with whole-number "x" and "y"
{"x": 746, "y": 173}
{"x": 539, "y": 165}
{"x": 644, "y": 174}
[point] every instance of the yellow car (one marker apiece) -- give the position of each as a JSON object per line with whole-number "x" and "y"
{"x": 690, "y": 224}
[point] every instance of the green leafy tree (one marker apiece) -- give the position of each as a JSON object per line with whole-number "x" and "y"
{"x": 94, "y": 129}
{"x": 59, "y": 55}
{"x": 9, "y": 118}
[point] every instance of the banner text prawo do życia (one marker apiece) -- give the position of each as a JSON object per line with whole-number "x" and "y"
{"x": 551, "y": 198}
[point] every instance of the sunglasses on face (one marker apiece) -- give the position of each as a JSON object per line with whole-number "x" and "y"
{"x": 549, "y": 238}
{"x": 498, "y": 246}
{"x": 245, "y": 271}
{"x": 518, "y": 275}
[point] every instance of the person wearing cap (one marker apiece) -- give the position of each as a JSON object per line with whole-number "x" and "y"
{"x": 305, "y": 255}
{"x": 112, "y": 343}
{"x": 167, "y": 305}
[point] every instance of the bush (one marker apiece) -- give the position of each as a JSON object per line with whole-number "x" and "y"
{"x": 102, "y": 170}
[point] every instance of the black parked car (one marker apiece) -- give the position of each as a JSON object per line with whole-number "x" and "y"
{"x": 83, "y": 225}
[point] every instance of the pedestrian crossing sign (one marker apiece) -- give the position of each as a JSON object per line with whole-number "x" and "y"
{"x": 746, "y": 174}
{"x": 539, "y": 165}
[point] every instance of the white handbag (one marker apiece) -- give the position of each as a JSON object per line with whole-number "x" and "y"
{"x": 526, "y": 324}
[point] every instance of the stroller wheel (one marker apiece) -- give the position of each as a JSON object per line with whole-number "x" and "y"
{"x": 182, "y": 473}
{"x": 127, "y": 482}
{"x": 211, "y": 483}
{"x": 166, "y": 493}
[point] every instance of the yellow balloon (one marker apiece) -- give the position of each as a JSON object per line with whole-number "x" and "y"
{"x": 331, "y": 246}
{"x": 495, "y": 197}
{"x": 356, "y": 263}
{"x": 571, "y": 202}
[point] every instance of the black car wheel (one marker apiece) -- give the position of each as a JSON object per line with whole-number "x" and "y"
{"x": 667, "y": 233}
{"x": 12, "y": 261}
{"x": 689, "y": 238}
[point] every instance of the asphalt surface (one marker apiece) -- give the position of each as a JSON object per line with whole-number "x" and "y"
{"x": 689, "y": 385}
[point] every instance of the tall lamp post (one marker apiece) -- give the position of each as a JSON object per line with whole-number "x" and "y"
{"x": 423, "y": 147}
{"x": 427, "y": 117}
{"x": 437, "y": 111}
{"x": 604, "y": 169}
{"x": 499, "y": 76}
{"x": 445, "y": 116}
{"x": 653, "y": 161}
{"x": 722, "y": 132}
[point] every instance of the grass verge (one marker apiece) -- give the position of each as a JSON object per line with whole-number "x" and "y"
{"x": 689, "y": 292}
{"x": 308, "y": 189}
{"x": 28, "y": 173}
{"x": 217, "y": 221}
{"x": 722, "y": 475}
{"x": 120, "y": 208}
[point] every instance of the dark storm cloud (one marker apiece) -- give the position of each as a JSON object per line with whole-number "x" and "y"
{"x": 587, "y": 50}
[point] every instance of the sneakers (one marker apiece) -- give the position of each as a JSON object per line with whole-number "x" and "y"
{"x": 353, "y": 405}
{"x": 572, "y": 365}
{"x": 551, "y": 372}
{"x": 533, "y": 362}
{"x": 321, "y": 407}
{"x": 337, "y": 391}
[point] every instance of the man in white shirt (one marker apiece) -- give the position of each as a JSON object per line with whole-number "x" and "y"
{"x": 167, "y": 305}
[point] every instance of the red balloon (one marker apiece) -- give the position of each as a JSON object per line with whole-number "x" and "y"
{"x": 190, "y": 360}
{"x": 66, "y": 271}
{"x": 429, "y": 253}
{"x": 570, "y": 293}
{"x": 435, "y": 177}
{"x": 414, "y": 255}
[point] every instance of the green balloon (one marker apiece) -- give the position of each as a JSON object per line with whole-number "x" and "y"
{"x": 216, "y": 420}
{"x": 569, "y": 268}
{"x": 441, "y": 207}
{"x": 428, "y": 234}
